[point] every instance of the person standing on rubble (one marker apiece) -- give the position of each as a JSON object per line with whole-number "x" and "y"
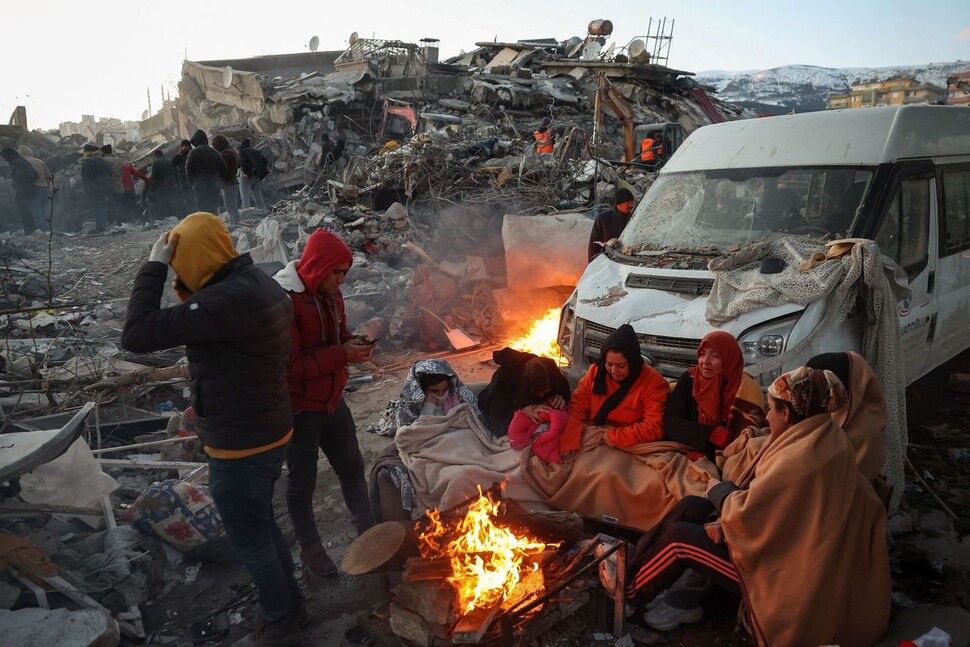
{"x": 204, "y": 169}
{"x": 255, "y": 168}
{"x": 185, "y": 191}
{"x": 610, "y": 225}
{"x": 163, "y": 189}
{"x": 116, "y": 200}
{"x": 321, "y": 347}
{"x": 131, "y": 197}
{"x": 234, "y": 322}
{"x": 545, "y": 138}
{"x": 230, "y": 183}
{"x": 96, "y": 180}
{"x": 42, "y": 191}
{"x": 24, "y": 186}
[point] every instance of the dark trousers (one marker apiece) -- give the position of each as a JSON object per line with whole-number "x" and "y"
{"x": 163, "y": 205}
{"x": 336, "y": 435}
{"x": 242, "y": 489}
{"x": 98, "y": 203}
{"x": 116, "y": 208}
{"x": 25, "y": 205}
{"x": 208, "y": 197}
{"x": 679, "y": 542}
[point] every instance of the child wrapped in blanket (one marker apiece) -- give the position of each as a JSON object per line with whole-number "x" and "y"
{"x": 540, "y": 414}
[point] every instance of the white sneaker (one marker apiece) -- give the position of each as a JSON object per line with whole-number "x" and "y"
{"x": 657, "y": 601}
{"x": 665, "y": 617}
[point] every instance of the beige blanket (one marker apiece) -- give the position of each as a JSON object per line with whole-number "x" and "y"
{"x": 448, "y": 457}
{"x": 633, "y": 487}
{"x": 808, "y": 537}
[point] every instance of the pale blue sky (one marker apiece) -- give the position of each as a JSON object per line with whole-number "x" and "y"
{"x": 62, "y": 59}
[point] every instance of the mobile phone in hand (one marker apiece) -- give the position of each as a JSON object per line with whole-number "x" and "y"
{"x": 369, "y": 342}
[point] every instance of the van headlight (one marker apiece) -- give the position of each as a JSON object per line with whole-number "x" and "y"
{"x": 567, "y": 328}
{"x": 766, "y": 341}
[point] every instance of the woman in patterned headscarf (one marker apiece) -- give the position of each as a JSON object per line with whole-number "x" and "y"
{"x": 801, "y": 535}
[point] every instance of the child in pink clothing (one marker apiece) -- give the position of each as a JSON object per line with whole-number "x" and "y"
{"x": 546, "y": 432}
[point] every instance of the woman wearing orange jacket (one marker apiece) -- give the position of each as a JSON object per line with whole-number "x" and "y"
{"x": 619, "y": 394}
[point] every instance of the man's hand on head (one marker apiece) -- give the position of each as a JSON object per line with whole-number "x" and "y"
{"x": 164, "y": 248}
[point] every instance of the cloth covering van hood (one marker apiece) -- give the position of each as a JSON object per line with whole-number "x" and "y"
{"x": 323, "y": 252}
{"x": 204, "y": 246}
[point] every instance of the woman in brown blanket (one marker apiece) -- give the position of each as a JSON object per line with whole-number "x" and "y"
{"x": 803, "y": 540}
{"x": 714, "y": 401}
{"x": 864, "y": 418}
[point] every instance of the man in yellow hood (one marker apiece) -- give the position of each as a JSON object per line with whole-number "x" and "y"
{"x": 234, "y": 321}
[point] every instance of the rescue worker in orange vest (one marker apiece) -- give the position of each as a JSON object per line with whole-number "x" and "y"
{"x": 650, "y": 149}
{"x": 545, "y": 138}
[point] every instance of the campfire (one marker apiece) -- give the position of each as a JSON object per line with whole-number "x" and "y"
{"x": 486, "y": 572}
{"x": 541, "y": 338}
{"x": 487, "y": 561}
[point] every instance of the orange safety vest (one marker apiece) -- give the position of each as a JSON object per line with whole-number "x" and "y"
{"x": 544, "y": 144}
{"x": 647, "y": 152}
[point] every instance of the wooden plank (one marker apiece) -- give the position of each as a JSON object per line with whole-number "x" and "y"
{"x": 17, "y": 506}
{"x": 148, "y": 464}
{"x": 619, "y": 590}
{"x": 152, "y": 443}
{"x": 473, "y": 625}
{"x": 420, "y": 569}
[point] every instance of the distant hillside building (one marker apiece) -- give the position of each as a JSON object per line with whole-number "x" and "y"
{"x": 958, "y": 89}
{"x": 897, "y": 91}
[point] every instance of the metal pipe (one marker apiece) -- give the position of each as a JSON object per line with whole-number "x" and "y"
{"x": 506, "y": 624}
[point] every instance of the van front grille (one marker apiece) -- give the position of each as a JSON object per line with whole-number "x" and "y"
{"x": 695, "y": 287}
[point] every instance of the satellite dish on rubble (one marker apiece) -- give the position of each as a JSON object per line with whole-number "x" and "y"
{"x": 637, "y": 49}
{"x": 314, "y": 43}
{"x": 591, "y": 51}
{"x": 226, "y": 77}
{"x": 353, "y": 37}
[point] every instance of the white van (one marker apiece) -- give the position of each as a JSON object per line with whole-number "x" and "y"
{"x": 899, "y": 175}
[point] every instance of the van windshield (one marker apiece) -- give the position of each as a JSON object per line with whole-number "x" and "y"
{"x": 713, "y": 211}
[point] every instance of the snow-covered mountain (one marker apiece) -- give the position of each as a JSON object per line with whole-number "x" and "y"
{"x": 804, "y": 87}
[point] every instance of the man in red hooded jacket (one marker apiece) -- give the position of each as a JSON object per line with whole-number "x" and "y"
{"x": 321, "y": 347}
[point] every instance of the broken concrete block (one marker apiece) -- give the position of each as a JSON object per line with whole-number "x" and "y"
{"x": 44, "y": 627}
{"x": 9, "y": 594}
{"x": 396, "y": 211}
{"x": 900, "y": 524}
{"x": 935, "y": 521}
{"x": 357, "y": 312}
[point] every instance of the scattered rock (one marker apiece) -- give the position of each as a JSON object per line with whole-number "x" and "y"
{"x": 46, "y": 627}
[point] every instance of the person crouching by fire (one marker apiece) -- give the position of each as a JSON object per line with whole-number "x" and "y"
{"x": 234, "y": 322}
{"x": 321, "y": 347}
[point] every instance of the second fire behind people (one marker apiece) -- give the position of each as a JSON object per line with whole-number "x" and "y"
{"x": 321, "y": 348}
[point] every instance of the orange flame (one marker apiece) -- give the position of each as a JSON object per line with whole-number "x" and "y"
{"x": 541, "y": 338}
{"x": 486, "y": 560}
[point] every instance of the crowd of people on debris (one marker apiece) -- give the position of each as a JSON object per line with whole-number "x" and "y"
{"x": 780, "y": 502}
{"x": 199, "y": 177}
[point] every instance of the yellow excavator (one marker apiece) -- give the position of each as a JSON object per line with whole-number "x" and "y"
{"x": 667, "y": 137}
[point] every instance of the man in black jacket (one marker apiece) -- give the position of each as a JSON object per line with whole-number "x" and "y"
{"x": 610, "y": 225}
{"x": 96, "y": 181}
{"x": 235, "y": 325}
{"x": 24, "y": 185}
{"x": 255, "y": 167}
{"x": 186, "y": 201}
{"x": 204, "y": 170}
{"x": 163, "y": 189}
